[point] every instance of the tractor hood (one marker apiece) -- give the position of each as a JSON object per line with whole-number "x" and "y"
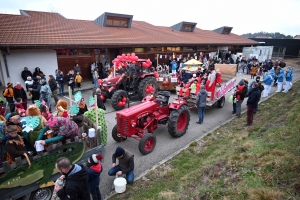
{"x": 138, "y": 110}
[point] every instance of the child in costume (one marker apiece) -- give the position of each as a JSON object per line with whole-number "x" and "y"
{"x": 62, "y": 108}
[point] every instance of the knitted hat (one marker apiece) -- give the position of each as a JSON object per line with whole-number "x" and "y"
{"x": 119, "y": 152}
{"x": 9, "y": 84}
{"x": 95, "y": 158}
{"x": 11, "y": 129}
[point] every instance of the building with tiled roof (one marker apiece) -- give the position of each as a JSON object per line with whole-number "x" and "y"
{"x": 51, "y": 41}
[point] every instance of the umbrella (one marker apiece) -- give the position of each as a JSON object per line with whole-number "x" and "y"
{"x": 193, "y": 62}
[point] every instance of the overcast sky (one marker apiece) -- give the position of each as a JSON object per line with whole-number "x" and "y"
{"x": 245, "y": 16}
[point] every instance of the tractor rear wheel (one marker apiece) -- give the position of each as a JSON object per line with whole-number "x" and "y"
{"x": 147, "y": 81}
{"x": 147, "y": 143}
{"x": 116, "y": 136}
{"x": 117, "y": 97}
{"x": 179, "y": 121}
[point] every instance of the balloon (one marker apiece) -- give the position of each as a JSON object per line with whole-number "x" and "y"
{"x": 147, "y": 91}
{"x": 136, "y": 58}
{"x": 145, "y": 65}
{"x": 124, "y": 99}
{"x": 120, "y": 104}
{"x": 155, "y": 74}
{"x": 132, "y": 54}
{"x": 148, "y": 61}
{"x": 119, "y": 57}
{"x": 102, "y": 97}
{"x": 100, "y": 81}
{"x": 133, "y": 62}
{"x": 152, "y": 89}
{"x": 123, "y": 103}
{"x": 128, "y": 54}
{"x": 123, "y": 55}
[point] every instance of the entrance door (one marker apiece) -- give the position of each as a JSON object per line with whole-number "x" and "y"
{"x": 101, "y": 58}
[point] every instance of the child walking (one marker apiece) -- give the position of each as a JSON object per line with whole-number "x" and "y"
{"x": 78, "y": 80}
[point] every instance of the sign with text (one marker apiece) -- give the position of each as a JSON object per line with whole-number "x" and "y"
{"x": 225, "y": 88}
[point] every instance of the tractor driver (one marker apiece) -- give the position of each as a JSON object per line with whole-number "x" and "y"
{"x": 125, "y": 166}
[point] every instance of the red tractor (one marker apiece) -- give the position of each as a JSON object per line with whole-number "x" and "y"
{"x": 146, "y": 116}
{"x": 131, "y": 80}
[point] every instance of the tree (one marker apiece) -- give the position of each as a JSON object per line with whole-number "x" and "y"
{"x": 275, "y": 35}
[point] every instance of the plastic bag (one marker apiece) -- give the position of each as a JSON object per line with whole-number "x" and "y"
{"x": 230, "y": 99}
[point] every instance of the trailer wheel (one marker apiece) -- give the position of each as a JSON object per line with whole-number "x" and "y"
{"x": 116, "y": 136}
{"x": 42, "y": 194}
{"x": 118, "y": 96}
{"x": 179, "y": 121}
{"x": 147, "y": 143}
{"x": 221, "y": 102}
{"x": 148, "y": 81}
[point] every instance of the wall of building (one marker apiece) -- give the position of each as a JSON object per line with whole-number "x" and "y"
{"x": 3, "y": 77}
{"x": 292, "y": 46}
{"x": 46, "y": 60}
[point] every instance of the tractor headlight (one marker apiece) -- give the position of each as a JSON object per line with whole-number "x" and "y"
{"x": 133, "y": 124}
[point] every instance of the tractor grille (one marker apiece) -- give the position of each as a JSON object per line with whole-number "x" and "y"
{"x": 123, "y": 124}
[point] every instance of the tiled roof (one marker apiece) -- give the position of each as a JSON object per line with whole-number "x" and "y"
{"x": 44, "y": 28}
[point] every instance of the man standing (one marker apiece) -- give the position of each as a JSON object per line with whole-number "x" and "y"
{"x": 241, "y": 91}
{"x": 93, "y": 66}
{"x": 201, "y": 103}
{"x": 25, "y": 73}
{"x": 125, "y": 166}
{"x": 252, "y": 103}
{"x": 76, "y": 180}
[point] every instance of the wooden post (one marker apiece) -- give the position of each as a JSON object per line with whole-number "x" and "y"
{"x": 70, "y": 95}
{"x": 157, "y": 61}
{"x": 96, "y": 113}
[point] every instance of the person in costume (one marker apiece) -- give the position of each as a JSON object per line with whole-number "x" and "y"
{"x": 63, "y": 128}
{"x": 62, "y": 108}
{"x": 211, "y": 84}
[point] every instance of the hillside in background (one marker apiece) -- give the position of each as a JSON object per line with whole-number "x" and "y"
{"x": 275, "y": 35}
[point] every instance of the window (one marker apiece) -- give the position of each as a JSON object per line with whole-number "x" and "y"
{"x": 187, "y": 27}
{"x": 117, "y": 21}
{"x": 127, "y": 50}
{"x": 226, "y": 30}
{"x": 85, "y": 51}
{"x": 173, "y": 48}
{"x": 152, "y": 49}
{"x": 188, "y": 48}
{"x": 139, "y": 50}
{"x": 61, "y": 52}
{"x": 98, "y": 51}
{"x": 73, "y": 52}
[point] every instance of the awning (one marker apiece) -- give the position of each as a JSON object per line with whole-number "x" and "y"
{"x": 193, "y": 62}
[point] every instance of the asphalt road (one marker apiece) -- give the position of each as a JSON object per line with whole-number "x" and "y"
{"x": 166, "y": 145}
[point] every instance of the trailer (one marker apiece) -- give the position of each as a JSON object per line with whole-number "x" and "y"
{"x": 228, "y": 72}
{"x": 22, "y": 180}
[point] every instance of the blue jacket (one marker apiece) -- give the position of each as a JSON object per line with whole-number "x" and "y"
{"x": 268, "y": 80}
{"x": 253, "y": 98}
{"x": 94, "y": 176}
{"x": 174, "y": 65}
{"x": 289, "y": 75}
{"x": 280, "y": 76}
{"x": 58, "y": 79}
{"x": 272, "y": 71}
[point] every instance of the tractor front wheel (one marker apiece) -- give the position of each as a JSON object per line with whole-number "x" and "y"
{"x": 147, "y": 143}
{"x": 117, "y": 99}
{"x": 179, "y": 121}
{"x": 116, "y": 136}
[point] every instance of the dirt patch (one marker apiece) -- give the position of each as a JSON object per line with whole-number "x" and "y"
{"x": 167, "y": 194}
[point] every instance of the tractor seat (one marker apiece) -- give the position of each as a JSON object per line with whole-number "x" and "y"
{"x": 165, "y": 93}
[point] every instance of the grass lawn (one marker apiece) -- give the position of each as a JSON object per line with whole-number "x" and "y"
{"x": 260, "y": 162}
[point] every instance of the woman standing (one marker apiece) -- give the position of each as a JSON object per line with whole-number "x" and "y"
{"x": 53, "y": 86}
{"x": 37, "y": 72}
{"x": 70, "y": 78}
{"x": 61, "y": 81}
{"x": 95, "y": 77}
{"x": 77, "y": 69}
{"x": 45, "y": 93}
{"x": 19, "y": 92}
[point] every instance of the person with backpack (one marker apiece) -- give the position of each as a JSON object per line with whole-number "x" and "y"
{"x": 8, "y": 93}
